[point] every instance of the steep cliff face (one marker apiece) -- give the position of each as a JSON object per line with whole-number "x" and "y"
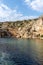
{"x": 37, "y": 27}
{"x": 32, "y": 28}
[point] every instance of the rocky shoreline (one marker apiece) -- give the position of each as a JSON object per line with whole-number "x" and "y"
{"x": 32, "y": 28}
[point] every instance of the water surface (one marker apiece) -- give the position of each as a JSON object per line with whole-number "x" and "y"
{"x": 21, "y": 51}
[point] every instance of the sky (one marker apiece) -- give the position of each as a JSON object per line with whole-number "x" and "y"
{"x": 13, "y": 10}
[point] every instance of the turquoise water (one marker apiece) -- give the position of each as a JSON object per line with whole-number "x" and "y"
{"x": 21, "y": 51}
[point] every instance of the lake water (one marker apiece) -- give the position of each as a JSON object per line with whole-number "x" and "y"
{"x": 21, "y": 51}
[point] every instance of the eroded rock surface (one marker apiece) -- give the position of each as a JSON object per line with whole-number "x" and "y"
{"x": 32, "y": 28}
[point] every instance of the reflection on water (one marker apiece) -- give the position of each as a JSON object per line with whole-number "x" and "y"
{"x": 21, "y": 51}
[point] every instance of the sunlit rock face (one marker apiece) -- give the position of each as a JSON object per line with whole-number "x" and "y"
{"x": 38, "y": 24}
{"x": 22, "y": 29}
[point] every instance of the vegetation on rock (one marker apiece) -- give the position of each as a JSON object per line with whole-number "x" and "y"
{"x": 32, "y": 28}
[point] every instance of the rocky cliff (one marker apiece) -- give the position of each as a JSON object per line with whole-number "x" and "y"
{"x": 32, "y": 28}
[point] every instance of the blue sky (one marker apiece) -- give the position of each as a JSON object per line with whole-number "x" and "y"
{"x": 12, "y": 10}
